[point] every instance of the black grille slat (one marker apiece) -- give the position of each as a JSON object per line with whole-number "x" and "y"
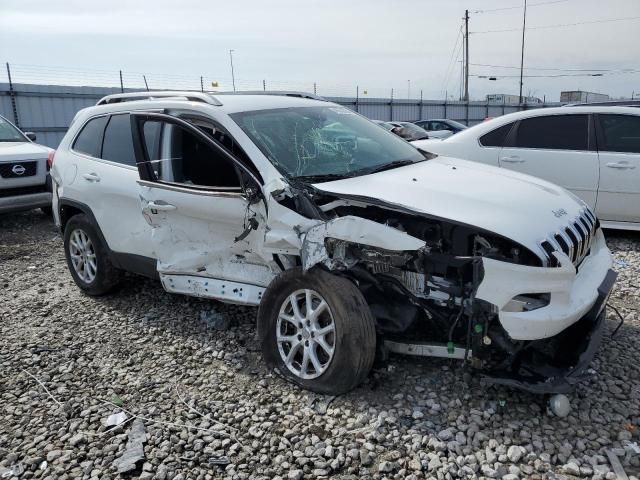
{"x": 6, "y": 169}
{"x": 563, "y": 244}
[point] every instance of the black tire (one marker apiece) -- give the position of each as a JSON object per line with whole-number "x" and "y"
{"x": 355, "y": 336}
{"x": 48, "y": 211}
{"x": 106, "y": 275}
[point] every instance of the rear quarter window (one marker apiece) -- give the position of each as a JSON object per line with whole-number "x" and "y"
{"x": 496, "y": 138}
{"x": 89, "y": 140}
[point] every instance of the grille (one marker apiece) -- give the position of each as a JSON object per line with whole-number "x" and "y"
{"x": 574, "y": 240}
{"x": 12, "y": 192}
{"x": 6, "y": 169}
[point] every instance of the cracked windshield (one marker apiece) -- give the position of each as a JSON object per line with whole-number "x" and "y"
{"x": 324, "y": 143}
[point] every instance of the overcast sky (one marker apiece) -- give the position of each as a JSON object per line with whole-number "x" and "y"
{"x": 374, "y": 44}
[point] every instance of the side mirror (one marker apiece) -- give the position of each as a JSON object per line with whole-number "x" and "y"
{"x": 30, "y": 135}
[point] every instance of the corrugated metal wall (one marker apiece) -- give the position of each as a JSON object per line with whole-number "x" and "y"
{"x": 47, "y": 110}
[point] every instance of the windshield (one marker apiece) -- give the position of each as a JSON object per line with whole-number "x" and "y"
{"x": 455, "y": 124}
{"x": 326, "y": 141}
{"x": 9, "y": 133}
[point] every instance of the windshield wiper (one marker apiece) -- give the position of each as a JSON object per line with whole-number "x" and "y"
{"x": 327, "y": 177}
{"x": 387, "y": 166}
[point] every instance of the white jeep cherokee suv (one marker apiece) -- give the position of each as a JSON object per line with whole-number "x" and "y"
{"x": 351, "y": 241}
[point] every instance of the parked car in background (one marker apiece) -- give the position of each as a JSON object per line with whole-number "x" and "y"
{"x": 592, "y": 151}
{"x": 408, "y": 131}
{"x": 351, "y": 241}
{"x": 386, "y": 125}
{"x": 24, "y": 170}
{"x": 441, "y": 127}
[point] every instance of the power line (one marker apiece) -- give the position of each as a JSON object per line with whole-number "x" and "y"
{"x": 547, "y": 69}
{"x": 558, "y": 25}
{"x": 451, "y": 64}
{"x": 518, "y": 6}
{"x": 562, "y": 75}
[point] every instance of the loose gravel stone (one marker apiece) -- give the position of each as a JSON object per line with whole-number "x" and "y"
{"x": 211, "y": 410}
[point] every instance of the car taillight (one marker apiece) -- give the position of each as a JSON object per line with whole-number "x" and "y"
{"x": 50, "y": 159}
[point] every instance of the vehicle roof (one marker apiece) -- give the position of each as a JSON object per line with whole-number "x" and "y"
{"x": 489, "y": 125}
{"x": 227, "y": 102}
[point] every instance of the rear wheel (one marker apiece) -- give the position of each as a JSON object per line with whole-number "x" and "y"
{"x": 87, "y": 257}
{"x": 317, "y": 330}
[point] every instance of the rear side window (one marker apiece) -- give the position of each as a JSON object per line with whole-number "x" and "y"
{"x": 118, "y": 142}
{"x": 556, "y": 132}
{"x": 89, "y": 141}
{"x": 496, "y": 138}
{"x": 621, "y": 133}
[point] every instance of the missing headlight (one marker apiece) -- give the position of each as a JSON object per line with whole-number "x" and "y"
{"x": 527, "y": 302}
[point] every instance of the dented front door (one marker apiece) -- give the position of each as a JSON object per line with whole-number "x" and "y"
{"x": 206, "y": 225}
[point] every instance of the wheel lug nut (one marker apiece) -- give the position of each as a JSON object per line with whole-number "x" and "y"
{"x": 299, "y": 337}
{"x": 306, "y": 343}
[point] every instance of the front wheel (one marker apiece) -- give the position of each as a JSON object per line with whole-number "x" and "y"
{"x": 317, "y": 330}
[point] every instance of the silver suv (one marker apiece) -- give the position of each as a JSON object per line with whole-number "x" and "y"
{"x": 24, "y": 170}
{"x": 350, "y": 240}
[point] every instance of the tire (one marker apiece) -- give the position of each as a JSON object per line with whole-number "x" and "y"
{"x": 48, "y": 211}
{"x": 353, "y": 337}
{"x": 105, "y": 276}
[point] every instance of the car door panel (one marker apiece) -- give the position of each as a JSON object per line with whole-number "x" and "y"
{"x": 108, "y": 188}
{"x": 619, "y": 158}
{"x": 199, "y": 231}
{"x": 565, "y": 159}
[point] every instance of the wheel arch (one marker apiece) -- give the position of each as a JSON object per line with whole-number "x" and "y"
{"x": 70, "y": 208}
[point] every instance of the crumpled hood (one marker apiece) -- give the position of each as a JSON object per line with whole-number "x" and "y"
{"x": 520, "y": 207}
{"x": 11, "y": 151}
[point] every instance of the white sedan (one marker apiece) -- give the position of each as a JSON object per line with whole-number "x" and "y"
{"x": 593, "y": 152}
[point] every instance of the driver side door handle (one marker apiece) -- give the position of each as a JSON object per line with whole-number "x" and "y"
{"x": 511, "y": 159}
{"x": 160, "y": 207}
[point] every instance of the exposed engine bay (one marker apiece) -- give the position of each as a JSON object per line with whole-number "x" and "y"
{"x": 424, "y": 299}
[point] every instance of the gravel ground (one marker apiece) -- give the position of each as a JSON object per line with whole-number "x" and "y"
{"x": 205, "y": 397}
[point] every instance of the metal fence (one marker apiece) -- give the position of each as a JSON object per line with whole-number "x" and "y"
{"x": 47, "y": 110}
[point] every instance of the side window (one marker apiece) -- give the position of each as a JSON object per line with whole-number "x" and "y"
{"x": 621, "y": 133}
{"x": 181, "y": 157}
{"x": 557, "y": 132}
{"x": 118, "y": 142}
{"x": 89, "y": 141}
{"x": 496, "y": 138}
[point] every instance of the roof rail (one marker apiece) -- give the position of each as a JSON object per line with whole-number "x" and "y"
{"x": 182, "y": 95}
{"x": 281, "y": 93}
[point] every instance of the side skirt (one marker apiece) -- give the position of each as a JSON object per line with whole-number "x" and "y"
{"x": 204, "y": 287}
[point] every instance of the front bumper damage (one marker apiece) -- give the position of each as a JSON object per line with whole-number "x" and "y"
{"x": 558, "y": 363}
{"x": 550, "y": 347}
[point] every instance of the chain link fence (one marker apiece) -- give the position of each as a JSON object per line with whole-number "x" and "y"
{"x": 44, "y": 100}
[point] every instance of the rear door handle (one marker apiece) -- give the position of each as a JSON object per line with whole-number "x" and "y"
{"x": 161, "y": 207}
{"x": 621, "y": 165}
{"x": 512, "y": 159}
{"x": 91, "y": 177}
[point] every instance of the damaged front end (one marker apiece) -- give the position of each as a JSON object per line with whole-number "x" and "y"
{"x": 443, "y": 289}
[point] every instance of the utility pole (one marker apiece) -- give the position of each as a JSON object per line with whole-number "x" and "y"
{"x": 408, "y": 88}
{"x": 466, "y": 56}
{"x": 524, "y": 24}
{"x": 233, "y": 77}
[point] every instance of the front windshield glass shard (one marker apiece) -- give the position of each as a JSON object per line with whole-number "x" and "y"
{"x": 323, "y": 143}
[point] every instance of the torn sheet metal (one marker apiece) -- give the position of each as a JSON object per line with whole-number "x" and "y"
{"x": 355, "y": 230}
{"x": 285, "y": 229}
